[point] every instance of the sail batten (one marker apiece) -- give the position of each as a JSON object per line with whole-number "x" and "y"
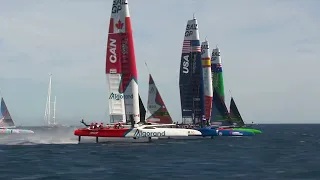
{"x": 191, "y": 76}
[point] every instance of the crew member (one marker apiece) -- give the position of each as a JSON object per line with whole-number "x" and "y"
{"x": 82, "y": 121}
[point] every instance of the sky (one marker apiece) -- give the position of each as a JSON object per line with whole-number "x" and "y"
{"x": 269, "y": 49}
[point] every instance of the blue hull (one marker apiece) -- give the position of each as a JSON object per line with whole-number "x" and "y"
{"x": 228, "y": 132}
{"x": 207, "y": 131}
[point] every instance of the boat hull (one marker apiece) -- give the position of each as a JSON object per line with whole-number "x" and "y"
{"x": 256, "y": 131}
{"x": 144, "y": 133}
{"x": 102, "y": 132}
{"x": 207, "y": 131}
{"x": 15, "y": 131}
{"x": 90, "y": 139}
{"x": 231, "y": 132}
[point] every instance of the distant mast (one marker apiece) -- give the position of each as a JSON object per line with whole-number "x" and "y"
{"x": 191, "y": 76}
{"x": 216, "y": 69}
{"x": 207, "y": 78}
{"x": 47, "y": 113}
{"x": 121, "y": 70}
{"x": 54, "y": 110}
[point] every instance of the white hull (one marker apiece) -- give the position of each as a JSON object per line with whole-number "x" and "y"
{"x": 158, "y": 131}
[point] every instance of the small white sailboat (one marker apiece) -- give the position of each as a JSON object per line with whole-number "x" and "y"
{"x": 50, "y": 121}
{"x": 7, "y": 125}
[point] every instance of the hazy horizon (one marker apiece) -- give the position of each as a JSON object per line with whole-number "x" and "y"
{"x": 268, "y": 49}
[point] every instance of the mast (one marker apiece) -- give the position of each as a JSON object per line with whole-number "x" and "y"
{"x": 207, "y": 78}
{"x": 47, "y": 112}
{"x": 54, "y": 110}
{"x": 217, "y": 74}
{"x": 49, "y": 102}
{"x": 191, "y": 76}
{"x": 121, "y": 70}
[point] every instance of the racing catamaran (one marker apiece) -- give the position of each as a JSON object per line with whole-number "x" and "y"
{"x": 6, "y": 123}
{"x": 220, "y": 118}
{"x": 122, "y": 80}
{"x": 191, "y": 81}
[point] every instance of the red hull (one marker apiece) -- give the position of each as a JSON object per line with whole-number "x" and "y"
{"x": 106, "y": 132}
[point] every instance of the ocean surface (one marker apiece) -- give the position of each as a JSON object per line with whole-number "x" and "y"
{"x": 281, "y": 152}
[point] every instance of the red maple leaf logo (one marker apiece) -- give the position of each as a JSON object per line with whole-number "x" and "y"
{"x": 119, "y": 25}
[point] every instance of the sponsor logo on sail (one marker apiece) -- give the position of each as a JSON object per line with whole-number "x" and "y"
{"x": 185, "y": 64}
{"x": 237, "y": 133}
{"x": 120, "y": 96}
{"x": 190, "y": 28}
{"x": 117, "y": 5}
{"x": 113, "y": 49}
{"x": 140, "y": 133}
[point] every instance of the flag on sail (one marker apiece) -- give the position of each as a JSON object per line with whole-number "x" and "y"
{"x": 191, "y": 46}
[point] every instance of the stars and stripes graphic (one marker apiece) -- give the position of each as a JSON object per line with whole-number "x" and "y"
{"x": 191, "y": 46}
{"x": 196, "y": 48}
{"x": 186, "y": 47}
